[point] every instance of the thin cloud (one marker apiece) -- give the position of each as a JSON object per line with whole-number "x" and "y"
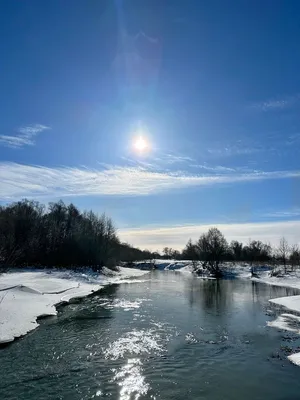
{"x": 154, "y": 238}
{"x": 176, "y": 159}
{"x": 284, "y": 214}
{"x": 293, "y": 139}
{"x": 142, "y": 34}
{"x": 25, "y": 136}
{"x": 139, "y": 163}
{"x": 160, "y": 160}
{"x": 216, "y": 168}
{"x": 276, "y": 104}
{"x": 17, "y": 180}
{"x": 235, "y": 150}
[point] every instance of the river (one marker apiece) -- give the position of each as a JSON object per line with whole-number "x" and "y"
{"x": 168, "y": 336}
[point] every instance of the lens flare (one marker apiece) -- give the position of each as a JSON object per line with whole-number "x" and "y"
{"x": 141, "y": 144}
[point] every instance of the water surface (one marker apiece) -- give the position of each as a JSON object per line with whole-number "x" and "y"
{"x": 169, "y": 336}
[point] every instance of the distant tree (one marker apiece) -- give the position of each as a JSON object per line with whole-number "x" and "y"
{"x": 236, "y": 250}
{"x": 256, "y": 251}
{"x": 166, "y": 251}
{"x": 60, "y": 236}
{"x": 283, "y": 252}
{"x": 175, "y": 254}
{"x": 294, "y": 256}
{"x": 190, "y": 252}
{"x": 212, "y": 247}
{"x": 156, "y": 255}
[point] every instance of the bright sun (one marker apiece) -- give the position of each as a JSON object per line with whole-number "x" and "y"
{"x": 141, "y": 144}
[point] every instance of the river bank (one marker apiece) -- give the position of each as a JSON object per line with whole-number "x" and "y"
{"x": 27, "y": 296}
{"x": 286, "y": 321}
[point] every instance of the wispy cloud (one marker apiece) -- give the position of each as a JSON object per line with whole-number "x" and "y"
{"x": 293, "y": 213}
{"x": 176, "y": 236}
{"x": 18, "y": 180}
{"x": 293, "y": 139}
{"x": 25, "y": 136}
{"x": 276, "y": 104}
{"x": 234, "y": 150}
{"x": 160, "y": 160}
{"x": 215, "y": 168}
{"x": 177, "y": 159}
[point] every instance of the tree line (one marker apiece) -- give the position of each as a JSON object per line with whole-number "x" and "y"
{"x": 32, "y": 234}
{"x": 213, "y": 249}
{"x": 59, "y": 234}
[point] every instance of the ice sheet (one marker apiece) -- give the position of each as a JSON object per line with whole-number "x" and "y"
{"x": 26, "y": 296}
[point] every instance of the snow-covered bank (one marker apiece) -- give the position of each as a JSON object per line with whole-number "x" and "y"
{"x": 292, "y": 280}
{"x": 162, "y": 264}
{"x": 27, "y": 296}
{"x": 285, "y": 321}
{"x": 290, "y": 302}
{"x": 295, "y": 358}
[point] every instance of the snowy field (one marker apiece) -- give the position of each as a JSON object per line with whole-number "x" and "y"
{"x": 27, "y": 296}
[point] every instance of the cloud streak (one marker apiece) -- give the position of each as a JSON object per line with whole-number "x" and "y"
{"x": 233, "y": 150}
{"x": 216, "y": 168}
{"x": 284, "y": 214}
{"x": 25, "y": 136}
{"x": 276, "y": 104}
{"x": 17, "y": 180}
{"x": 156, "y": 238}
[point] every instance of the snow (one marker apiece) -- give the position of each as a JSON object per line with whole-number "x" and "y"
{"x": 295, "y": 358}
{"x": 242, "y": 271}
{"x": 288, "y": 322}
{"x": 292, "y": 280}
{"x": 290, "y": 302}
{"x": 284, "y": 321}
{"x": 163, "y": 264}
{"x": 26, "y": 296}
{"x": 188, "y": 269}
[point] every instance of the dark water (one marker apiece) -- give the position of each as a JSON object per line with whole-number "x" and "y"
{"x": 170, "y": 337}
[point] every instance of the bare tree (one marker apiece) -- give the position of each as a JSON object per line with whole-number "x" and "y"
{"x": 166, "y": 252}
{"x": 191, "y": 252}
{"x": 283, "y": 252}
{"x": 236, "y": 250}
{"x": 212, "y": 247}
{"x": 295, "y": 256}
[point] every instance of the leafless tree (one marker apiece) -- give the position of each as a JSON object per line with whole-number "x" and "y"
{"x": 283, "y": 252}
{"x": 295, "y": 256}
{"x": 212, "y": 247}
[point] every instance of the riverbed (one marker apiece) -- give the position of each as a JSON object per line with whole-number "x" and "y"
{"x": 167, "y": 336}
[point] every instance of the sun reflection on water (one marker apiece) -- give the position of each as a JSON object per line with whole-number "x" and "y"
{"x": 134, "y": 343}
{"x": 131, "y": 380}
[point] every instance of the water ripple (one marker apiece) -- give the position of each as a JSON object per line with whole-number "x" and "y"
{"x": 134, "y": 343}
{"x": 125, "y": 304}
{"x": 131, "y": 380}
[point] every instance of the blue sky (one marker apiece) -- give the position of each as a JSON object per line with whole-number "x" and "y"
{"x": 213, "y": 87}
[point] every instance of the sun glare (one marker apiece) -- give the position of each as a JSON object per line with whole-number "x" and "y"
{"x": 141, "y": 144}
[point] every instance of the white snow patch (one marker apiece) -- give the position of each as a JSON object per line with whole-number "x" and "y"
{"x": 26, "y": 296}
{"x": 188, "y": 269}
{"x": 284, "y": 321}
{"x": 290, "y": 302}
{"x": 292, "y": 280}
{"x": 163, "y": 264}
{"x": 295, "y": 358}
